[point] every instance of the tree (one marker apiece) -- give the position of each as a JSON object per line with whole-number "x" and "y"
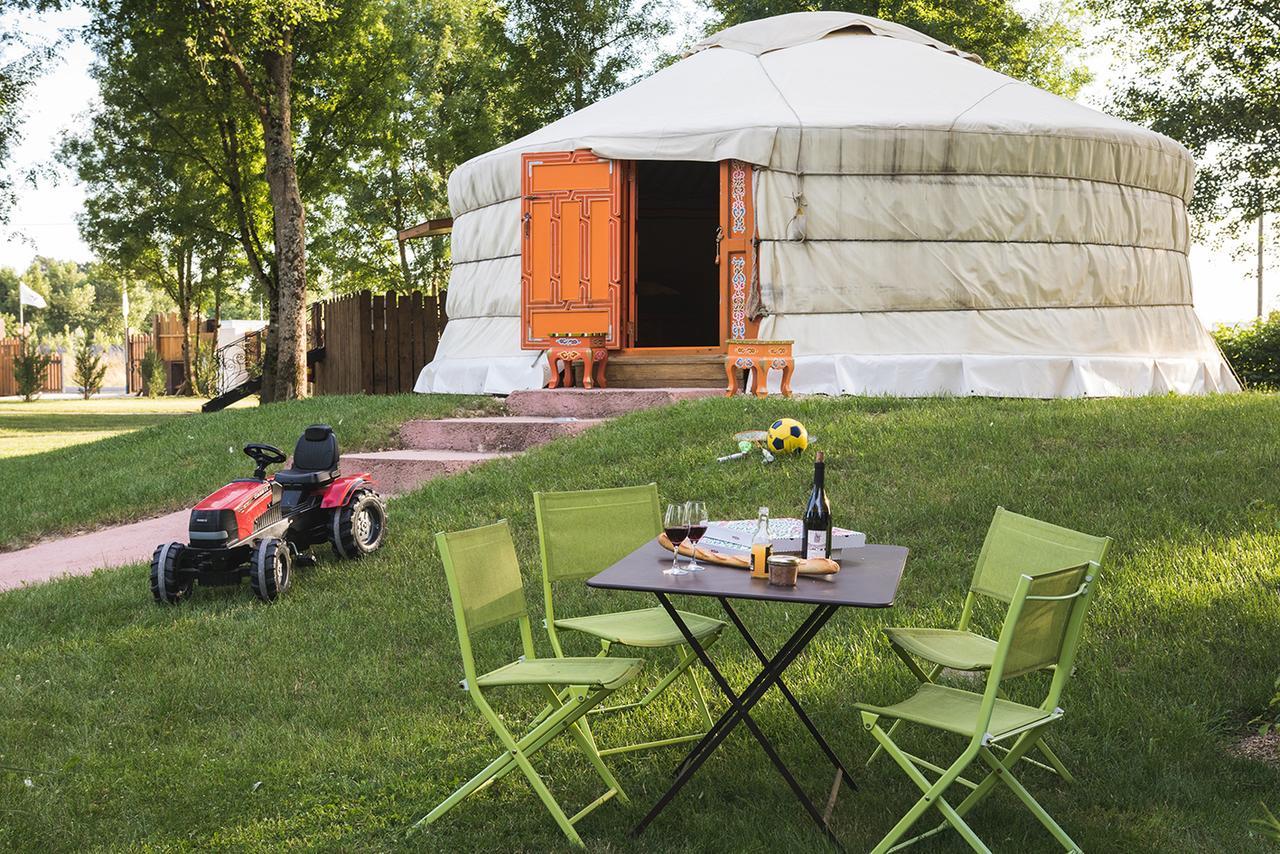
{"x": 90, "y": 367}
{"x": 29, "y": 366}
{"x": 567, "y": 54}
{"x": 20, "y": 65}
{"x": 1034, "y": 48}
{"x": 1204, "y": 73}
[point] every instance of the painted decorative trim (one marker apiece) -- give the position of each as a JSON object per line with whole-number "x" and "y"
{"x": 738, "y": 297}
{"x": 737, "y": 197}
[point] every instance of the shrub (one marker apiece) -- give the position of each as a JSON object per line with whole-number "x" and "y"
{"x": 204, "y": 371}
{"x": 1253, "y": 350}
{"x": 90, "y": 367}
{"x": 152, "y": 370}
{"x": 29, "y": 366}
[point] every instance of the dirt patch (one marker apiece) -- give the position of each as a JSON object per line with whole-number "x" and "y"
{"x": 1259, "y": 748}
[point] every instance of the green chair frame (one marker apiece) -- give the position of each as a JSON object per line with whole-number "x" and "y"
{"x": 1014, "y": 545}
{"x": 583, "y": 532}
{"x": 484, "y": 581}
{"x": 1042, "y": 628}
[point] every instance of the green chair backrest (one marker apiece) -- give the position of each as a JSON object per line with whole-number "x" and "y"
{"x": 1042, "y": 629}
{"x": 584, "y": 532}
{"x": 483, "y": 574}
{"x": 1019, "y": 545}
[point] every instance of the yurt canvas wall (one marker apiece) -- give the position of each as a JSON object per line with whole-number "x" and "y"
{"x": 919, "y": 224}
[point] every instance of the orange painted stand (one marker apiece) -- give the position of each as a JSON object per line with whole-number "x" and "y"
{"x": 749, "y": 354}
{"x": 581, "y": 347}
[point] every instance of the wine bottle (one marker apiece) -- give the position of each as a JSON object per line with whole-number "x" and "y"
{"x": 817, "y": 515}
{"x": 761, "y": 546}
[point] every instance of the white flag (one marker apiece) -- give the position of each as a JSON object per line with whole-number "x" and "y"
{"x": 26, "y": 296}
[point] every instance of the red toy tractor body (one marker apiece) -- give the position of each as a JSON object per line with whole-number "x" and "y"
{"x": 264, "y": 526}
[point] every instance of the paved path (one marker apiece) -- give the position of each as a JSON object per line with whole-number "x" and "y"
{"x": 82, "y": 554}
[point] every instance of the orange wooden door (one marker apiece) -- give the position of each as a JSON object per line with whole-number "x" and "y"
{"x": 737, "y": 251}
{"x": 574, "y": 236}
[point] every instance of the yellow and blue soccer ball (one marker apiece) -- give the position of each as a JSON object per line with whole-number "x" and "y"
{"x": 787, "y": 436}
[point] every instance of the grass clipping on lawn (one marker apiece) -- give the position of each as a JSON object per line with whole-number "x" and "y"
{"x": 333, "y": 718}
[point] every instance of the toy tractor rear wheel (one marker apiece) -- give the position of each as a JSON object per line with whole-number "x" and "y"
{"x": 357, "y": 527}
{"x": 270, "y": 569}
{"x": 168, "y": 585}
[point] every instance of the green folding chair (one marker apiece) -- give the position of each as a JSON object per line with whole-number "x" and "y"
{"x": 1015, "y": 545}
{"x": 584, "y": 532}
{"x": 484, "y": 583}
{"x": 1041, "y": 630}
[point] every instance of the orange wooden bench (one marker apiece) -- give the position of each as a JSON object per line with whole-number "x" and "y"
{"x": 585, "y": 347}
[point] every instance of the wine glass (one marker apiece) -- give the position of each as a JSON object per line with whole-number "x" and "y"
{"x": 676, "y": 525}
{"x": 697, "y": 511}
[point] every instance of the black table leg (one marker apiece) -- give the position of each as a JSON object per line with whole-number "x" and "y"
{"x": 798, "y": 640}
{"x": 786, "y": 692}
{"x": 740, "y": 711}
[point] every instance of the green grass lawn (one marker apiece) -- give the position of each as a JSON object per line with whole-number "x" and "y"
{"x": 332, "y": 719}
{"x": 177, "y": 459}
{"x": 44, "y": 425}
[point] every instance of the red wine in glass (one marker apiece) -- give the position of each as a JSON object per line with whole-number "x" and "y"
{"x": 696, "y": 532}
{"x": 677, "y": 535}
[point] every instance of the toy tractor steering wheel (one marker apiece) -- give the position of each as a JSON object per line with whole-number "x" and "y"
{"x": 263, "y": 456}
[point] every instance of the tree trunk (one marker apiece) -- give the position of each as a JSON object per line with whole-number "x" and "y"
{"x": 289, "y": 322}
{"x": 184, "y": 316}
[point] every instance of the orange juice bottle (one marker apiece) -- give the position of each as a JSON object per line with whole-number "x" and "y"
{"x": 761, "y": 546}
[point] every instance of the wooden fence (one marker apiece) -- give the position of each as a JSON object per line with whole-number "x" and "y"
{"x": 375, "y": 344}
{"x": 9, "y": 348}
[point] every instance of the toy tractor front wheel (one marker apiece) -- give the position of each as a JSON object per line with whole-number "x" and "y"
{"x": 168, "y": 585}
{"x": 357, "y": 527}
{"x": 270, "y": 569}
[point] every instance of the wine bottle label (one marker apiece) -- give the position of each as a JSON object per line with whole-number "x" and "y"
{"x": 817, "y": 544}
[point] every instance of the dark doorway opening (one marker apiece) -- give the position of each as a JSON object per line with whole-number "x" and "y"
{"x": 677, "y": 282}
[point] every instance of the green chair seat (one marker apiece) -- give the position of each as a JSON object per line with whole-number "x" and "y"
{"x": 608, "y": 673}
{"x": 647, "y": 627}
{"x": 954, "y": 710}
{"x": 958, "y": 650}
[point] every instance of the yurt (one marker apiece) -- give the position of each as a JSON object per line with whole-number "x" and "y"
{"x": 916, "y": 223}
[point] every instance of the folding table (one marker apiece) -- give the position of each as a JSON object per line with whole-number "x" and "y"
{"x": 868, "y": 578}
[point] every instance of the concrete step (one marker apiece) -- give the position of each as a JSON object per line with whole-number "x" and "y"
{"x": 599, "y": 402}
{"x": 490, "y": 435}
{"x": 405, "y": 470}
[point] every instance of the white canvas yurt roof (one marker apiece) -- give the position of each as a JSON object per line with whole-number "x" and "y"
{"x": 926, "y": 225}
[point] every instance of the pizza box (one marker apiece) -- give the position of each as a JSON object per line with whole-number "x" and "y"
{"x": 787, "y": 536}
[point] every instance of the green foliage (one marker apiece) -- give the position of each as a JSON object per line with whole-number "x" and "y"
{"x": 152, "y": 370}
{"x": 1268, "y": 825}
{"x": 1037, "y": 48}
{"x": 30, "y": 363}
{"x": 90, "y": 367}
{"x": 1269, "y": 721}
{"x": 204, "y": 372}
{"x": 1253, "y": 350}
{"x": 1204, "y": 74}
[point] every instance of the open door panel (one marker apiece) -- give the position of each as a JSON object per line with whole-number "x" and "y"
{"x": 573, "y": 242}
{"x": 737, "y": 250}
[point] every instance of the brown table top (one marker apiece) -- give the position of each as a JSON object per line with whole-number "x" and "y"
{"x": 868, "y": 578}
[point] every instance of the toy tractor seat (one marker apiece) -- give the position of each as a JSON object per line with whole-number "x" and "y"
{"x": 315, "y": 459}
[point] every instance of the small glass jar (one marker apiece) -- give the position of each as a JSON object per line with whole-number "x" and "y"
{"x": 783, "y": 570}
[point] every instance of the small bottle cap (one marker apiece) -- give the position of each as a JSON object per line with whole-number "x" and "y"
{"x": 764, "y": 511}
{"x": 819, "y": 458}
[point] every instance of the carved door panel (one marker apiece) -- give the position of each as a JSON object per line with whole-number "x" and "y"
{"x": 574, "y": 235}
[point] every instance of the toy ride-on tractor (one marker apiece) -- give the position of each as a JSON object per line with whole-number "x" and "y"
{"x": 263, "y": 526}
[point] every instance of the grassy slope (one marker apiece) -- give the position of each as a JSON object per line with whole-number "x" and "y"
{"x": 150, "y": 727}
{"x": 46, "y": 424}
{"x": 170, "y": 464}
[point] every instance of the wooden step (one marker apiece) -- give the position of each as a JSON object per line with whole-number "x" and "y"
{"x": 666, "y": 371}
{"x": 395, "y": 472}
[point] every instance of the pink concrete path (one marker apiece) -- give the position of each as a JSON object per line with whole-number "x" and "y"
{"x": 82, "y": 554}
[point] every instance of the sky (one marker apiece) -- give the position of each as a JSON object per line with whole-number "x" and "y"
{"x": 43, "y": 222}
